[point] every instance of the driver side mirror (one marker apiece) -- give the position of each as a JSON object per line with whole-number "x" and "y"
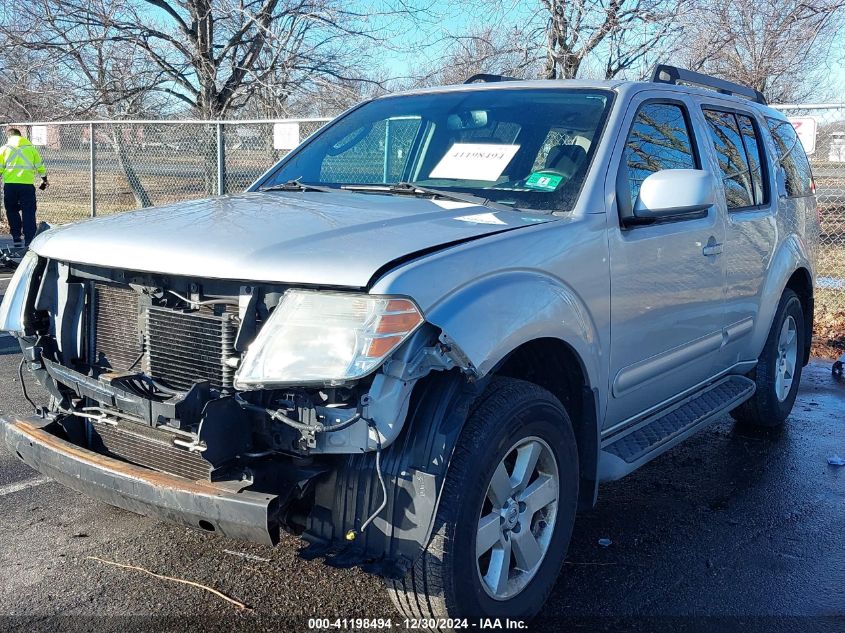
{"x": 675, "y": 192}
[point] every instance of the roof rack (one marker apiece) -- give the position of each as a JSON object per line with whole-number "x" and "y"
{"x": 488, "y": 78}
{"x": 666, "y": 74}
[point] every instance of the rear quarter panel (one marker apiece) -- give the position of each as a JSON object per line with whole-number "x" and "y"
{"x": 796, "y": 237}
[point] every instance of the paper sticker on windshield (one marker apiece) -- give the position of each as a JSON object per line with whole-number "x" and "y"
{"x": 474, "y": 161}
{"x": 543, "y": 181}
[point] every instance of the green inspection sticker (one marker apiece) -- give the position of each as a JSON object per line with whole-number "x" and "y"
{"x": 543, "y": 181}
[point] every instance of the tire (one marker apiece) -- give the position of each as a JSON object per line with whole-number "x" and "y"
{"x": 446, "y": 581}
{"x": 768, "y": 408}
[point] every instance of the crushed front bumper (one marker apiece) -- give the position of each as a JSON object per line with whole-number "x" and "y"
{"x": 212, "y": 507}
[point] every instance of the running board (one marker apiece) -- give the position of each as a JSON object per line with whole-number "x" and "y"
{"x": 632, "y": 447}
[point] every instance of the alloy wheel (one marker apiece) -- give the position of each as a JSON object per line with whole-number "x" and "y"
{"x": 787, "y": 358}
{"x": 517, "y": 518}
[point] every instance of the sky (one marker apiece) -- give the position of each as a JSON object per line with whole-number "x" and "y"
{"x": 418, "y": 47}
{"x": 415, "y": 46}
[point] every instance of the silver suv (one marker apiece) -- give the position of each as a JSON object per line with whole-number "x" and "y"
{"x": 424, "y": 337}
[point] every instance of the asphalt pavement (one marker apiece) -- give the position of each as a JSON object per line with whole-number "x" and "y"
{"x": 733, "y": 530}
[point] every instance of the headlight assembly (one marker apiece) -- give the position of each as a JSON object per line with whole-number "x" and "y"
{"x": 13, "y": 307}
{"x": 326, "y": 338}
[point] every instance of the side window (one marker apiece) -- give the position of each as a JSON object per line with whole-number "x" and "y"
{"x": 756, "y": 156}
{"x": 733, "y": 162}
{"x": 660, "y": 138}
{"x": 799, "y": 177}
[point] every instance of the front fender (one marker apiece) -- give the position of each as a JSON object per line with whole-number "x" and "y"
{"x": 494, "y": 315}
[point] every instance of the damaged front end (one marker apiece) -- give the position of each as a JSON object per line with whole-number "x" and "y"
{"x": 238, "y": 408}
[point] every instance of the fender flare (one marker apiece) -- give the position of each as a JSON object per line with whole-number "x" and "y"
{"x": 546, "y": 307}
{"x": 790, "y": 257}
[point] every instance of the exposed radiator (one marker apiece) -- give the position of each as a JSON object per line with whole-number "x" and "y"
{"x": 150, "y": 448}
{"x": 184, "y": 347}
{"x": 179, "y": 347}
{"x": 116, "y": 340}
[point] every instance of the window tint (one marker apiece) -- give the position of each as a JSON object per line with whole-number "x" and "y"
{"x": 799, "y": 178}
{"x": 659, "y": 139}
{"x": 733, "y": 162}
{"x": 755, "y": 157}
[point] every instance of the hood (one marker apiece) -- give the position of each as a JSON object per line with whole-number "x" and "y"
{"x": 312, "y": 238}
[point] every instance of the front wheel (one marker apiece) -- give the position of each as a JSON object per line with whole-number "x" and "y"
{"x": 778, "y": 371}
{"x": 505, "y": 518}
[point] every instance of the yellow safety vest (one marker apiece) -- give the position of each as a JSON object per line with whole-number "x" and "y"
{"x": 20, "y": 161}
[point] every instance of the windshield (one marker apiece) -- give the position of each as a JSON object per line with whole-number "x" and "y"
{"x": 523, "y": 148}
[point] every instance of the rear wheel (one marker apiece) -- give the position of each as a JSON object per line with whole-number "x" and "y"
{"x": 778, "y": 371}
{"x": 505, "y": 519}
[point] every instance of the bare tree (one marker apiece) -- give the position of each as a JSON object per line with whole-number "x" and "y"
{"x": 215, "y": 54}
{"x": 490, "y": 49}
{"x": 82, "y": 70}
{"x": 27, "y": 84}
{"x": 779, "y": 47}
{"x": 563, "y": 39}
{"x": 623, "y": 32}
{"x": 88, "y": 69}
{"x": 211, "y": 56}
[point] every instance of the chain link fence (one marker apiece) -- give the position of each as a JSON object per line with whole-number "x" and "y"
{"x": 825, "y": 123}
{"x": 104, "y": 167}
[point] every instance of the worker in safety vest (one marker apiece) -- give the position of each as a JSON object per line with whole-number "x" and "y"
{"x": 19, "y": 164}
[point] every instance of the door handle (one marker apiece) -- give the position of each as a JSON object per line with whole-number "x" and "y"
{"x": 712, "y": 248}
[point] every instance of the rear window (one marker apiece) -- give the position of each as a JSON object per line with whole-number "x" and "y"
{"x": 737, "y": 146}
{"x": 799, "y": 177}
{"x": 733, "y": 163}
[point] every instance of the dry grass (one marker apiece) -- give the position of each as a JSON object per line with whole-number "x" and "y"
{"x": 829, "y": 322}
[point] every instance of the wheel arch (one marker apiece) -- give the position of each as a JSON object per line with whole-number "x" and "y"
{"x": 790, "y": 268}
{"x": 801, "y": 283}
{"x": 554, "y": 365}
{"x": 415, "y": 465}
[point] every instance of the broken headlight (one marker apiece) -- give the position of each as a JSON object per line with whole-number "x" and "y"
{"x": 326, "y": 338}
{"x": 13, "y": 307}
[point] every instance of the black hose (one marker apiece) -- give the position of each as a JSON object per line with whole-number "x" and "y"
{"x": 136, "y": 361}
{"x": 372, "y": 517}
{"x": 23, "y": 385}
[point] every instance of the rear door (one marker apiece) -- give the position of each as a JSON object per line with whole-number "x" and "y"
{"x": 667, "y": 278}
{"x": 738, "y": 151}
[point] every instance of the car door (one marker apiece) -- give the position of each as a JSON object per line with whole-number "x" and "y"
{"x": 667, "y": 277}
{"x": 737, "y": 149}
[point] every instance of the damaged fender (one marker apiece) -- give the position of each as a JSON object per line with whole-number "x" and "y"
{"x": 471, "y": 345}
{"x": 528, "y": 305}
